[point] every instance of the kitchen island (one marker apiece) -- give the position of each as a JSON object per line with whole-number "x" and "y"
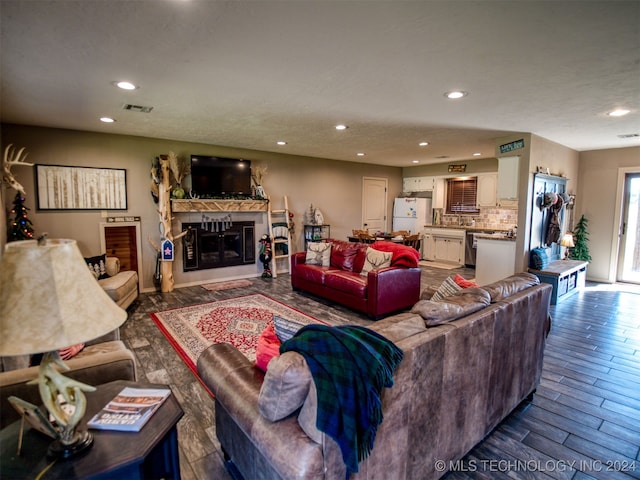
{"x": 495, "y": 257}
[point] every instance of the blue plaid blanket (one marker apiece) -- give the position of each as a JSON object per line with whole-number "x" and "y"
{"x": 350, "y": 366}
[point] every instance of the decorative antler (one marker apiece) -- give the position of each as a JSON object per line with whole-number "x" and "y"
{"x": 11, "y": 158}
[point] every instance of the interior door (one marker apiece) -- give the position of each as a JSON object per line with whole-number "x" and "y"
{"x": 629, "y": 249}
{"x": 374, "y": 204}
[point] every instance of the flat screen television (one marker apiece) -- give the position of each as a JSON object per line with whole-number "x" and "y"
{"x": 219, "y": 176}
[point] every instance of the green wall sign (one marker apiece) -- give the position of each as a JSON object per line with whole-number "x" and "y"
{"x": 511, "y": 146}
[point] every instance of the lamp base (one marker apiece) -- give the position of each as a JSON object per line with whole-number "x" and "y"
{"x": 59, "y": 451}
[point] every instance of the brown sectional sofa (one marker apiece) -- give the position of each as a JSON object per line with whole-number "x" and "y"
{"x": 379, "y": 293}
{"x": 458, "y": 380}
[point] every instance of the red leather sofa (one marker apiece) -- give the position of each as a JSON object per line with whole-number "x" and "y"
{"x": 379, "y": 293}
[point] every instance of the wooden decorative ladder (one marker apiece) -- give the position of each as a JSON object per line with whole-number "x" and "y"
{"x": 280, "y": 234}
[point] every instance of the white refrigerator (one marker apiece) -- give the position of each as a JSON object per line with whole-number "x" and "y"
{"x": 412, "y": 214}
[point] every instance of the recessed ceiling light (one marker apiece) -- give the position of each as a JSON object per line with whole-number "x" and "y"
{"x": 423, "y": 144}
{"x": 618, "y": 112}
{"x": 360, "y": 154}
{"x": 125, "y": 85}
{"x": 415, "y": 161}
{"x": 477, "y": 154}
{"x": 341, "y": 127}
{"x": 455, "y": 94}
{"x": 281, "y": 143}
{"x": 107, "y": 119}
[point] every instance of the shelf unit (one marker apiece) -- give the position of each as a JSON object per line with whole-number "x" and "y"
{"x": 280, "y": 234}
{"x": 316, "y": 233}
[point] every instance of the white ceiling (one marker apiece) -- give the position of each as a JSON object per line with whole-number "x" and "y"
{"x": 249, "y": 73}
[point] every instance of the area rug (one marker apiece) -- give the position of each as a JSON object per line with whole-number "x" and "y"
{"x": 214, "y": 287}
{"x": 443, "y": 266}
{"x": 238, "y": 321}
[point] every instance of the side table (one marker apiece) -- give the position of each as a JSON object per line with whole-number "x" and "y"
{"x": 151, "y": 453}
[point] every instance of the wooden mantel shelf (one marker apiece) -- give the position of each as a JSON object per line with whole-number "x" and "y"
{"x": 218, "y": 205}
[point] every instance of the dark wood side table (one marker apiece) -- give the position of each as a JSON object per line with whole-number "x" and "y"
{"x": 151, "y": 453}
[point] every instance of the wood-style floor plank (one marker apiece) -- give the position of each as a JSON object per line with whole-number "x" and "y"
{"x": 583, "y": 422}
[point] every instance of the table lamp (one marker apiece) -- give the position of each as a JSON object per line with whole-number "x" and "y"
{"x": 49, "y": 299}
{"x": 567, "y": 241}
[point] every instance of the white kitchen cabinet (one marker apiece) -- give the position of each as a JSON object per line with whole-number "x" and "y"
{"x": 487, "y": 185}
{"x": 495, "y": 260}
{"x": 439, "y": 192}
{"x": 417, "y": 184}
{"x": 508, "y": 168}
{"x": 444, "y": 245}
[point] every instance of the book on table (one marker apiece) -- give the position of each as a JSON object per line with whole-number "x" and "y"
{"x": 130, "y": 409}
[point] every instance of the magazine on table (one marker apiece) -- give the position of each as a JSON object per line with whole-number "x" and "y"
{"x": 130, "y": 409}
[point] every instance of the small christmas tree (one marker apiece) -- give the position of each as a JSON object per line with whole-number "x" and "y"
{"x": 580, "y": 239}
{"x": 21, "y": 227}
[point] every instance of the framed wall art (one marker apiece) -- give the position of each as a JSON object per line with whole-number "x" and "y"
{"x": 81, "y": 188}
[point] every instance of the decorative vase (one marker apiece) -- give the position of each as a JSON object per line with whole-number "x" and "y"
{"x": 178, "y": 192}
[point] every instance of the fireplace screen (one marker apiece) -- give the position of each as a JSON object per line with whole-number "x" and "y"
{"x": 224, "y": 245}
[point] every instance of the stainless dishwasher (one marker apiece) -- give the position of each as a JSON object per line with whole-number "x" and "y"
{"x": 470, "y": 250}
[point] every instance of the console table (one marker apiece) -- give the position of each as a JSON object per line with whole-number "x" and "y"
{"x": 151, "y": 453}
{"x": 566, "y": 276}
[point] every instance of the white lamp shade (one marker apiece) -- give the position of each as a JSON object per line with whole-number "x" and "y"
{"x": 49, "y": 299}
{"x": 567, "y": 240}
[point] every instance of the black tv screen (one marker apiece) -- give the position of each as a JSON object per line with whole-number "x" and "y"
{"x": 219, "y": 176}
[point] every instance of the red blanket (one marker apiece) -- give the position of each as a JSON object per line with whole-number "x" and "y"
{"x": 403, "y": 256}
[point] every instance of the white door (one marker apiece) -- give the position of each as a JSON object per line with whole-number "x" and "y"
{"x": 629, "y": 256}
{"x": 374, "y": 204}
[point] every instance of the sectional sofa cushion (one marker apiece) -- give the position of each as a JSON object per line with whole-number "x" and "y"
{"x": 343, "y": 255}
{"x": 463, "y": 303}
{"x": 285, "y": 387}
{"x": 508, "y": 286}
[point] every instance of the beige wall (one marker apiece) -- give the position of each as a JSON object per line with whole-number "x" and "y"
{"x": 334, "y": 187}
{"x": 599, "y": 199}
{"x": 480, "y": 165}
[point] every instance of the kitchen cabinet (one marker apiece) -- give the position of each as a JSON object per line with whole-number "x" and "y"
{"x": 417, "y": 184}
{"x": 495, "y": 260}
{"x": 444, "y": 245}
{"x": 439, "y": 192}
{"x": 487, "y": 185}
{"x": 508, "y": 168}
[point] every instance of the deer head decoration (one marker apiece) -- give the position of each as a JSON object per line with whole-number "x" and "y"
{"x": 12, "y": 157}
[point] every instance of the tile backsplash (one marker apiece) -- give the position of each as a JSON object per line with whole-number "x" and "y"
{"x": 494, "y": 217}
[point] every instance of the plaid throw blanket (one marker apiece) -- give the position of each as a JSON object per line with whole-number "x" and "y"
{"x": 350, "y": 367}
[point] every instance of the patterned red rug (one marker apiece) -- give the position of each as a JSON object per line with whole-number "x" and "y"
{"x": 238, "y": 321}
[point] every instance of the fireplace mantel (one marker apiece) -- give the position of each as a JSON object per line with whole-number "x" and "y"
{"x": 218, "y": 205}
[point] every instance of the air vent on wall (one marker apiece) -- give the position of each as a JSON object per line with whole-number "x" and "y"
{"x": 629, "y": 135}
{"x": 137, "y": 108}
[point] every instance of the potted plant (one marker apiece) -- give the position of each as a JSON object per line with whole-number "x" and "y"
{"x": 580, "y": 251}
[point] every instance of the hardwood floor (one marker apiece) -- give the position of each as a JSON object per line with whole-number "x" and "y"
{"x": 583, "y": 422}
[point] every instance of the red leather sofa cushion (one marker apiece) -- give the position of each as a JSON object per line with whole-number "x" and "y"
{"x": 343, "y": 255}
{"x": 347, "y": 282}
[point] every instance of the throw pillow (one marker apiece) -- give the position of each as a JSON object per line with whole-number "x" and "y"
{"x": 285, "y": 328}
{"x": 98, "y": 266}
{"x": 375, "y": 260}
{"x": 318, "y": 253}
{"x": 539, "y": 258}
{"x": 447, "y": 288}
{"x": 267, "y": 348}
{"x": 463, "y": 282}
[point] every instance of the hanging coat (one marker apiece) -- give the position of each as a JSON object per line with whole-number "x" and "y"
{"x": 553, "y": 229}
